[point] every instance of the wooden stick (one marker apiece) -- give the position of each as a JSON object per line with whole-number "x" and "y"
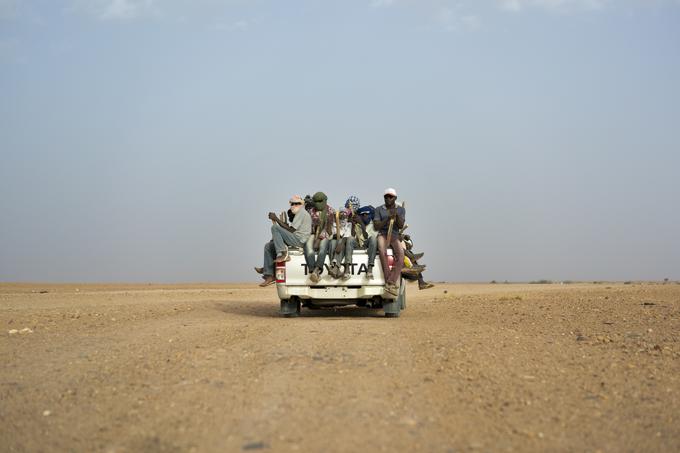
{"x": 389, "y": 233}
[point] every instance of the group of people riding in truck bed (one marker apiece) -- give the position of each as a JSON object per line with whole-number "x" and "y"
{"x": 321, "y": 231}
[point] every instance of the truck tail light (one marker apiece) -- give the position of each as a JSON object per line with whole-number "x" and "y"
{"x": 281, "y": 272}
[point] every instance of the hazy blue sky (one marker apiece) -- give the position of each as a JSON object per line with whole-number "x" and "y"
{"x": 146, "y": 140}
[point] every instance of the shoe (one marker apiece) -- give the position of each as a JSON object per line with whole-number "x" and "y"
{"x": 392, "y": 289}
{"x": 259, "y": 270}
{"x": 268, "y": 280}
{"x": 426, "y": 285}
{"x": 369, "y": 273}
{"x": 346, "y": 276}
{"x": 334, "y": 270}
{"x": 314, "y": 276}
{"x": 283, "y": 257}
{"x": 410, "y": 272}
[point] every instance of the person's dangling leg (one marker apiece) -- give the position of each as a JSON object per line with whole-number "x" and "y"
{"x": 333, "y": 258}
{"x": 371, "y": 248}
{"x": 398, "y": 254}
{"x": 382, "y": 252}
{"x": 323, "y": 251}
{"x": 350, "y": 243}
{"x": 268, "y": 265}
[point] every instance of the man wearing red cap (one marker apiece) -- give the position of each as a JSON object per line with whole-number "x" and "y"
{"x": 396, "y": 215}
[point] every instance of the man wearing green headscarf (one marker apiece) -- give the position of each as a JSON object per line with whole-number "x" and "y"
{"x": 322, "y": 217}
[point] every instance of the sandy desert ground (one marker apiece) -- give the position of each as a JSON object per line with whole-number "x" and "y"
{"x": 212, "y": 368}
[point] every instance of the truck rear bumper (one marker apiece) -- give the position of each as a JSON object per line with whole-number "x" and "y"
{"x": 332, "y": 293}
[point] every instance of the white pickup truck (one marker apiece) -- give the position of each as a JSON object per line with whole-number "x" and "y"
{"x": 296, "y": 290}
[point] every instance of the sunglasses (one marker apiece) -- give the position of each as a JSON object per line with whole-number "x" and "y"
{"x": 390, "y": 196}
{"x": 297, "y": 203}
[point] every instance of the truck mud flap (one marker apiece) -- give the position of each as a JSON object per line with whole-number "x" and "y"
{"x": 393, "y": 307}
{"x": 290, "y": 308}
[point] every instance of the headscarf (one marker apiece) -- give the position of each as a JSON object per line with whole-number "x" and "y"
{"x": 320, "y": 205}
{"x": 309, "y": 203}
{"x": 370, "y": 210}
{"x": 353, "y": 203}
{"x": 319, "y": 200}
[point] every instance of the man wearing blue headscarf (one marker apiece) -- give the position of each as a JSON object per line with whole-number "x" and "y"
{"x": 342, "y": 247}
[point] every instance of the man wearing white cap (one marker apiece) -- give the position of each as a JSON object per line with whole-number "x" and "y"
{"x": 283, "y": 235}
{"x": 383, "y": 215}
